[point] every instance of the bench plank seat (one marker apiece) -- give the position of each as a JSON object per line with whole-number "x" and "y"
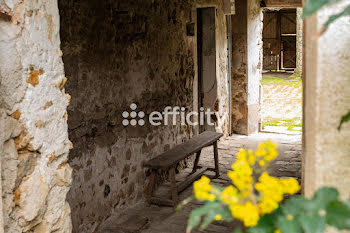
{"x": 180, "y": 152}
{"x": 169, "y": 159}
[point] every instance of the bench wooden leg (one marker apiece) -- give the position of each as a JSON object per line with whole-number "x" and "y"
{"x": 173, "y": 186}
{"x": 151, "y": 184}
{"x": 196, "y": 161}
{"x": 216, "y": 158}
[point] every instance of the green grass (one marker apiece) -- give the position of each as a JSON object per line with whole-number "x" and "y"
{"x": 293, "y": 80}
{"x": 291, "y": 124}
{"x": 268, "y": 80}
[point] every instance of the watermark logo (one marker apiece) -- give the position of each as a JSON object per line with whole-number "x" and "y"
{"x": 133, "y": 118}
{"x": 170, "y": 115}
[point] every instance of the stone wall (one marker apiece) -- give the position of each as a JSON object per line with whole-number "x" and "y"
{"x": 239, "y": 73}
{"x": 299, "y": 59}
{"x": 327, "y": 97}
{"x": 2, "y": 141}
{"x": 34, "y": 171}
{"x": 246, "y": 66}
{"x": 255, "y": 57}
{"x": 117, "y": 53}
{"x": 222, "y": 106}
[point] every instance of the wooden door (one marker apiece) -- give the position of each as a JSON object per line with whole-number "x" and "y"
{"x": 288, "y": 38}
{"x": 279, "y": 38}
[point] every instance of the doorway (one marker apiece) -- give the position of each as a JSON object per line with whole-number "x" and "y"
{"x": 281, "y": 95}
{"x": 206, "y": 50}
{"x": 279, "y": 36}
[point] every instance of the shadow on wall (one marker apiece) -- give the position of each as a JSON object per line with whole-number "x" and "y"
{"x": 115, "y": 54}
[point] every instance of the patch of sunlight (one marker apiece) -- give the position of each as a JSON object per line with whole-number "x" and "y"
{"x": 294, "y": 124}
{"x": 268, "y": 80}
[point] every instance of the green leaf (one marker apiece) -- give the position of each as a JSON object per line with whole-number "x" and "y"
{"x": 265, "y": 225}
{"x": 330, "y": 20}
{"x": 209, "y": 211}
{"x": 295, "y": 205}
{"x": 338, "y": 214}
{"x": 312, "y": 224}
{"x": 344, "y": 119}
{"x": 194, "y": 219}
{"x": 288, "y": 226}
{"x": 183, "y": 203}
{"x": 215, "y": 210}
{"x": 312, "y": 6}
{"x": 197, "y": 214}
{"x": 238, "y": 230}
{"x": 323, "y": 196}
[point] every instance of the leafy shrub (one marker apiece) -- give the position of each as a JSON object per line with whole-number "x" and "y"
{"x": 255, "y": 197}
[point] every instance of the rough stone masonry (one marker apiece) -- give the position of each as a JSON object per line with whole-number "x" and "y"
{"x": 34, "y": 171}
{"x": 117, "y": 53}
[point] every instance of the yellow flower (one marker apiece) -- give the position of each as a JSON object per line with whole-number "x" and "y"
{"x": 229, "y": 195}
{"x": 248, "y": 213}
{"x": 262, "y": 163}
{"x": 240, "y": 197}
{"x": 260, "y": 153}
{"x": 242, "y": 154}
{"x": 266, "y": 206}
{"x": 270, "y": 187}
{"x": 241, "y": 174}
{"x": 251, "y": 157}
{"x": 202, "y": 189}
{"x": 267, "y": 150}
{"x": 271, "y": 145}
{"x": 271, "y": 156}
{"x": 241, "y": 181}
{"x": 242, "y": 167}
{"x": 271, "y": 151}
{"x": 290, "y": 186}
{"x": 290, "y": 217}
{"x": 262, "y": 146}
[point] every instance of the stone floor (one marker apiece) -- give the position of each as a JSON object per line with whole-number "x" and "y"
{"x": 145, "y": 218}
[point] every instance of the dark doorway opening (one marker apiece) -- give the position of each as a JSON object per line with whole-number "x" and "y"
{"x": 206, "y": 49}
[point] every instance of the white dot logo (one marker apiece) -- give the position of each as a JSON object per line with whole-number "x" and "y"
{"x": 130, "y": 118}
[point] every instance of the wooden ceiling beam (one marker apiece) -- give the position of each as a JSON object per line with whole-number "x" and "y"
{"x": 283, "y": 3}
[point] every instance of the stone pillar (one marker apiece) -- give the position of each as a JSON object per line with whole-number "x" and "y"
{"x": 2, "y": 140}
{"x": 246, "y": 66}
{"x": 326, "y": 160}
{"x": 35, "y": 175}
{"x": 255, "y": 57}
{"x": 299, "y": 59}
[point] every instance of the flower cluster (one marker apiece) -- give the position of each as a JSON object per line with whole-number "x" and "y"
{"x": 249, "y": 199}
{"x": 202, "y": 189}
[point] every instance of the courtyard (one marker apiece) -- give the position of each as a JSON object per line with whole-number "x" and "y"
{"x": 282, "y": 103}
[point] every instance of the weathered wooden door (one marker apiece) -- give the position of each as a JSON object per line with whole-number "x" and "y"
{"x": 279, "y": 37}
{"x": 271, "y": 47}
{"x": 288, "y": 37}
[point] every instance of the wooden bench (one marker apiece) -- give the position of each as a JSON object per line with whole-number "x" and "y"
{"x": 169, "y": 159}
